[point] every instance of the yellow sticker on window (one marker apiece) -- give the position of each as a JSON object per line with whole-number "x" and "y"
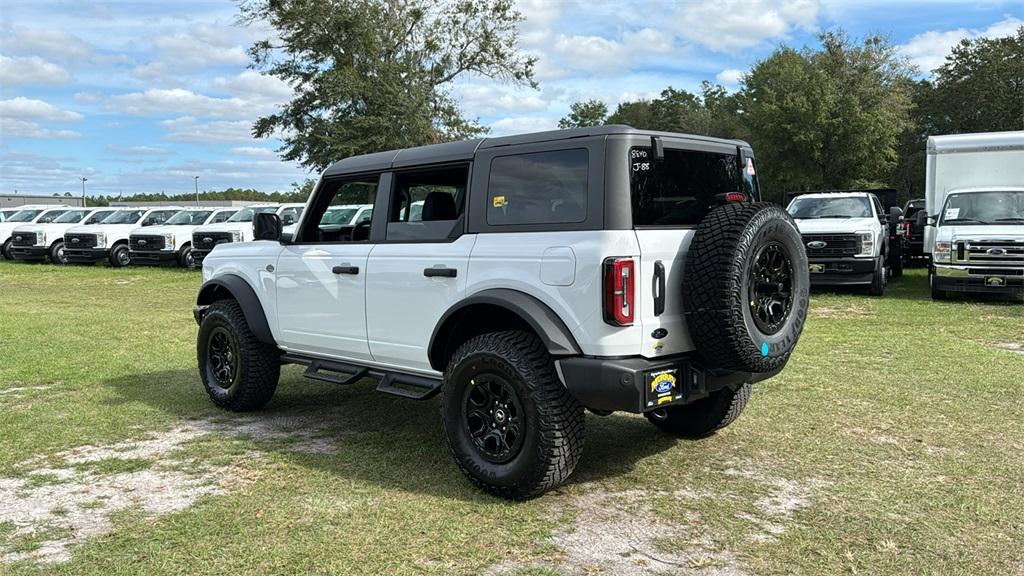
{"x": 499, "y": 201}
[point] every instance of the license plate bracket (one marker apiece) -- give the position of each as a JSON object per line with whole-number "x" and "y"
{"x": 816, "y": 268}
{"x": 995, "y": 281}
{"x": 666, "y": 387}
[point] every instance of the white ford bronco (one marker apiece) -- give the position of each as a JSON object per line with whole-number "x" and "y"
{"x": 171, "y": 242}
{"x": 37, "y": 214}
{"x": 37, "y": 242}
{"x": 238, "y": 228}
{"x": 108, "y": 240}
{"x": 606, "y": 268}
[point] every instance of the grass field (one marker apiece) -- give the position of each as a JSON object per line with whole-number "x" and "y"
{"x": 892, "y": 444}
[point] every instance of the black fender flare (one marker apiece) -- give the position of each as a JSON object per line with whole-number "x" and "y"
{"x": 233, "y": 286}
{"x": 552, "y": 331}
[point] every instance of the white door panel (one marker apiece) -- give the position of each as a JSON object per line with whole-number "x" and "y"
{"x": 403, "y": 305}
{"x": 321, "y": 311}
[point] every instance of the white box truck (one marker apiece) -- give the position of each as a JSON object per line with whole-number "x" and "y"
{"x": 974, "y": 194}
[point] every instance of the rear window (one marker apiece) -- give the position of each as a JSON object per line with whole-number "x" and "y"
{"x": 538, "y": 188}
{"x": 683, "y": 188}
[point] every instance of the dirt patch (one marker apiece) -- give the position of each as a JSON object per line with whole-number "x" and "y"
{"x": 849, "y": 312}
{"x": 20, "y": 389}
{"x": 67, "y": 498}
{"x": 776, "y": 509}
{"x": 1011, "y": 347}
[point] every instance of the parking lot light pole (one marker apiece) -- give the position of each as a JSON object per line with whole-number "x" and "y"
{"x": 196, "y": 180}
{"x": 84, "y": 201}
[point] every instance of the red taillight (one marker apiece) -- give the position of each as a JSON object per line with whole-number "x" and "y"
{"x": 618, "y": 291}
{"x": 735, "y": 197}
{"x": 906, "y": 229}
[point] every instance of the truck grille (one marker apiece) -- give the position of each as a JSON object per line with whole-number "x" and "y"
{"x": 207, "y": 240}
{"x": 836, "y": 245}
{"x": 80, "y": 240}
{"x": 990, "y": 252}
{"x": 24, "y": 239}
{"x": 146, "y": 243}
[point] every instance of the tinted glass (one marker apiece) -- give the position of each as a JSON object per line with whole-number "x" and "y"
{"x": 159, "y": 217}
{"x": 685, "y": 186}
{"x": 444, "y": 188}
{"x": 97, "y": 217}
{"x": 538, "y": 188}
{"x": 24, "y": 216}
{"x": 189, "y": 217}
{"x": 71, "y": 217}
{"x": 125, "y": 217}
{"x": 803, "y": 208}
{"x": 222, "y": 216}
{"x": 912, "y": 209}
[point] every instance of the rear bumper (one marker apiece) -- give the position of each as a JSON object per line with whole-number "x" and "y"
{"x": 843, "y": 271}
{"x": 85, "y": 255}
{"x": 621, "y": 384}
{"x": 29, "y": 252}
{"x": 154, "y": 257}
{"x": 978, "y": 280}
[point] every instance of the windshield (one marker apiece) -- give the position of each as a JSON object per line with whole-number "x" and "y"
{"x": 189, "y": 218}
{"x": 246, "y": 214}
{"x": 912, "y": 209}
{"x": 803, "y": 208}
{"x": 5, "y": 215}
{"x": 24, "y": 216}
{"x": 50, "y": 216}
{"x": 685, "y": 186}
{"x": 98, "y": 216}
{"x": 71, "y": 217}
{"x": 997, "y": 207}
{"x": 124, "y": 217}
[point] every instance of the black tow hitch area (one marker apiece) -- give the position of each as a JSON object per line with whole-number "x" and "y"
{"x": 678, "y": 385}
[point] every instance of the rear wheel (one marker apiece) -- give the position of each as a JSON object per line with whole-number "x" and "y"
{"x": 512, "y": 427}
{"x": 703, "y": 417}
{"x": 239, "y": 372}
{"x": 57, "y": 254}
{"x": 120, "y": 256}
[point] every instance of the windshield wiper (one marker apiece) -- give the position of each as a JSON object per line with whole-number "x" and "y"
{"x": 835, "y": 216}
{"x": 948, "y": 220}
{"x": 1009, "y": 219}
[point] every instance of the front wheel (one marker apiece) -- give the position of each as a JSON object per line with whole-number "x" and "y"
{"x": 703, "y": 417}
{"x": 239, "y": 371}
{"x": 879, "y": 280}
{"x": 5, "y": 251}
{"x": 57, "y": 254}
{"x": 936, "y": 293}
{"x": 512, "y": 427}
{"x": 120, "y": 256}
{"x": 185, "y": 257}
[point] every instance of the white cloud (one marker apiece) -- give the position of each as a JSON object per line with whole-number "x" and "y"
{"x": 160, "y": 101}
{"x": 201, "y": 46}
{"x": 730, "y": 77}
{"x": 253, "y": 152}
{"x": 251, "y": 85}
{"x": 522, "y": 125}
{"x": 30, "y": 70}
{"x": 22, "y": 108}
{"x": 928, "y": 50}
{"x": 143, "y": 150}
{"x": 54, "y": 43}
{"x": 13, "y": 128}
{"x": 733, "y": 25}
{"x": 188, "y": 129}
{"x": 491, "y": 99}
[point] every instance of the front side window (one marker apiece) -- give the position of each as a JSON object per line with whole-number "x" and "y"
{"x": 804, "y": 208}
{"x": 158, "y": 217}
{"x": 538, "y": 188}
{"x": 221, "y": 216}
{"x": 687, "y": 184}
{"x": 50, "y": 215}
{"x": 71, "y": 217}
{"x": 188, "y": 218}
{"x": 247, "y": 214}
{"x": 124, "y": 217}
{"x": 334, "y": 209}
{"x": 997, "y": 207}
{"x": 97, "y": 217}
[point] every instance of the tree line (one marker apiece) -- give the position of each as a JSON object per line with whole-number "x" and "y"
{"x": 299, "y": 193}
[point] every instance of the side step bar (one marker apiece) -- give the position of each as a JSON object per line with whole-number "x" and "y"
{"x": 394, "y": 383}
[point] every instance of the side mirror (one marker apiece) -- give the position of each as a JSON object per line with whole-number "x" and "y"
{"x": 922, "y": 218}
{"x": 267, "y": 226}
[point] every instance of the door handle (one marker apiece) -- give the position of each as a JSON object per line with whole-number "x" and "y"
{"x": 345, "y": 269}
{"x": 659, "y": 288}
{"x": 440, "y": 272}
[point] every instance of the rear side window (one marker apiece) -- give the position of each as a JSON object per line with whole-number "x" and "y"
{"x": 538, "y": 188}
{"x": 682, "y": 189}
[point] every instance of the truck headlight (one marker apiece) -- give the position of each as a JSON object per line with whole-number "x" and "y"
{"x": 943, "y": 252}
{"x": 101, "y": 240}
{"x": 867, "y": 244}
{"x": 40, "y": 238}
{"x": 236, "y": 236}
{"x": 169, "y": 241}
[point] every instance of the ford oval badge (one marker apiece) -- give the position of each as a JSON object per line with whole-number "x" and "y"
{"x": 817, "y": 244}
{"x": 659, "y": 333}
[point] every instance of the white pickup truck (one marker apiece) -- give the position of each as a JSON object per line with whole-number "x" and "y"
{"x": 40, "y": 214}
{"x": 109, "y": 239}
{"x": 37, "y": 242}
{"x": 238, "y": 228}
{"x": 171, "y": 242}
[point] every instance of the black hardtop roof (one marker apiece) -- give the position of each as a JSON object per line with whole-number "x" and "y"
{"x": 464, "y": 150}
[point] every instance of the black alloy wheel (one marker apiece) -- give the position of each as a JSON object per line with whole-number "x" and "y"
{"x": 771, "y": 288}
{"x": 493, "y": 417}
{"x": 222, "y": 352}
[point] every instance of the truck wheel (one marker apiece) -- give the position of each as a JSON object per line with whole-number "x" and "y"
{"x": 57, "y": 254}
{"x": 703, "y": 417}
{"x": 745, "y": 287}
{"x": 936, "y": 293}
{"x": 878, "y": 281}
{"x": 896, "y": 263}
{"x": 512, "y": 427}
{"x": 120, "y": 256}
{"x": 239, "y": 372}
{"x": 6, "y": 251}
{"x": 185, "y": 258}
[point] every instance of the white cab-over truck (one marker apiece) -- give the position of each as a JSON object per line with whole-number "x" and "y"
{"x": 34, "y": 214}
{"x": 238, "y": 228}
{"x": 37, "y": 242}
{"x": 974, "y": 194}
{"x": 171, "y": 242}
{"x": 108, "y": 240}
{"x": 605, "y": 268}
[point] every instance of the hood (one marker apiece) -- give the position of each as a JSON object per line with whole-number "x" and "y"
{"x": 980, "y": 232}
{"x": 176, "y": 230}
{"x": 52, "y": 230}
{"x": 225, "y": 227}
{"x": 836, "y": 225}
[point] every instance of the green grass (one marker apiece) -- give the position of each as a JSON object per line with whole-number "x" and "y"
{"x": 899, "y": 419}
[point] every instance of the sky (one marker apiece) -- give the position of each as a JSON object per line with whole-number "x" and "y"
{"x": 143, "y": 96}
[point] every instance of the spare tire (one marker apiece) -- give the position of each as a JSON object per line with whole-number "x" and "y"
{"x": 745, "y": 287}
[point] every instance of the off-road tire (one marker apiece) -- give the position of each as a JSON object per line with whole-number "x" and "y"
{"x": 116, "y": 259}
{"x": 184, "y": 257}
{"x": 705, "y": 416}
{"x": 6, "y": 251}
{"x": 56, "y": 252}
{"x": 717, "y": 279}
{"x": 878, "y": 280}
{"x": 553, "y": 420}
{"x": 258, "y": 365}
